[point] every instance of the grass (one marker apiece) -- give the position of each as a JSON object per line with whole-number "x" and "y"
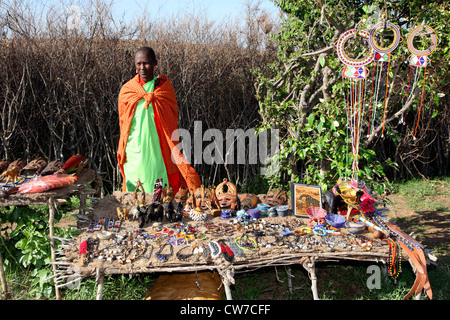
{"x": 336, "y": 281}
{"x": 421, "y": 194}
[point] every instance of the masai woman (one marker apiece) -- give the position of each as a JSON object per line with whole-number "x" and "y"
{"x": 148, "y": 120}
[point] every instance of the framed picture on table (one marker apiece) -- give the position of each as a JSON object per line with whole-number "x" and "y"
{"x": 304, "y": 196}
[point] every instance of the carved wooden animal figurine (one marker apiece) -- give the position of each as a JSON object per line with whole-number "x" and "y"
{"x": 180, "y": 200}
{"x": 159, "y": 213}
{"x": 3, "y": 165}
{"x": 167, "y": 198}
{"x": 157, "y": 191}
{"x": 141, "y": 217}
{"x": 52, "y": 167}
{"x": 134, "y": 212}
{"x": 34, "y": 167}
{"x": 122, "y": 213}
{"x": 10, "y": 175}
{"x": 17, "y": 163}
{"x": 150, "y": 214}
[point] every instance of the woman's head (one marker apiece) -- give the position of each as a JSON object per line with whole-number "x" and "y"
{"x": 145, "y": 63}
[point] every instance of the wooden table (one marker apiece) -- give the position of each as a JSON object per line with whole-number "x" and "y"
{"x": 52, "y": 198}
{"x": 74, "y": 271}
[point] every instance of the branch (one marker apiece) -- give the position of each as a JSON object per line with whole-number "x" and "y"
{"x": 317, "y": 52}
{"x": 394, "y": 116}
{"x": 329, "y": 19}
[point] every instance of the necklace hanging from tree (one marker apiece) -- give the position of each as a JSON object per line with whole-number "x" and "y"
{"x": 354, "y": 74}
{"x": 418, "y": 61}
{"x": 380, "y": 74}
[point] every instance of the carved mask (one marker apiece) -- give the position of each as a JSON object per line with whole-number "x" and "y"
{"x": 202, "y": 197}
{"x": 248, "y": 201}
{"x": 226, "y": 194}
{"x": 276, "y": 198}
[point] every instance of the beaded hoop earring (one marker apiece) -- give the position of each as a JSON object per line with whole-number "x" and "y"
{"x": 414, "y": 33}
{"x": 395, "y": 42}
{"x": 340, "y": 45}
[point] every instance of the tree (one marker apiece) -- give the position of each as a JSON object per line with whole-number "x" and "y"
{"x": 303, "y": 94}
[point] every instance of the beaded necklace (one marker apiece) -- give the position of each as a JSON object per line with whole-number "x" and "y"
{"x": 183, "y": 256}
{"x": 148, "y": 255}
{"x": 164, "y": 257}
{"x": 215, "y": 249}
{"x": 394, "y": 259}
{"x": 236, "y": 250}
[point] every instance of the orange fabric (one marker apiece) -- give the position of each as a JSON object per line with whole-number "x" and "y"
{"x": 174, "y": 179}
{"x": 165, "y": 108}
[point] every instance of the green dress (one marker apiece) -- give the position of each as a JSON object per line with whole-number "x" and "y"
{"x": 143, "y": 152}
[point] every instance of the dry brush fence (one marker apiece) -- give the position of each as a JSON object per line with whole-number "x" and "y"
{"x": 59, "y": 86}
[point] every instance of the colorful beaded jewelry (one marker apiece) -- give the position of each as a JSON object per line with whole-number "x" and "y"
{"x": 164, "y": 257}
{"x": 215, "y": 249}
{"x": 246, "y": 243}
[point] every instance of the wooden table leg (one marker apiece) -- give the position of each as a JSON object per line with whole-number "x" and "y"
{"x": 51, "y": 222}
{"x": 227, "y": 281}
{"x": 289, "y": 278}
{"x": 3, "y": 280}
{"x": 311, "y": 268}
{"x": 100, "y": 277}
{"x": 82, "y": 208}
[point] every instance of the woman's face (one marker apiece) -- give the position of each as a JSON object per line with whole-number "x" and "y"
{"x": 145, "y": 65}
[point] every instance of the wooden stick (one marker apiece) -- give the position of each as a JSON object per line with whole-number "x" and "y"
{"x": 311, "y": 268}
{"x": 289, "y": 278}
{"x": 100, "y": 280}
{"x": 3, "y": 280}
{"x": 51, "y": 222}
{"x": 82, "y": 204}
{"x": 69, "y": 282}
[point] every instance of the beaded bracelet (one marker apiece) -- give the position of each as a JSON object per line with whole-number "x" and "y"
{"x": 247, "y": 242}
{"x": 306, "y": 229}
{"x": 320, "y": 231}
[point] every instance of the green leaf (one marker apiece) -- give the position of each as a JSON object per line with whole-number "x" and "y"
{"x": 322, "y": 61}
{"x": 311, "y": 120}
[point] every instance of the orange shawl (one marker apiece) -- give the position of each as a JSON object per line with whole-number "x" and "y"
{"x": 165, "y": 107}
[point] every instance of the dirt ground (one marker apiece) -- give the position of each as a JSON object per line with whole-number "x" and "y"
{"x": 431, "y": 227}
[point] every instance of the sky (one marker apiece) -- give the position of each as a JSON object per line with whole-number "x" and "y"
{"x": 214, "y": 9}
{"x": 127, "y": 11}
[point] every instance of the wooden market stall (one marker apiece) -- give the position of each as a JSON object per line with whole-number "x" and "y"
{"x": 88, "y": 183}
{"x": 177, "y": 247}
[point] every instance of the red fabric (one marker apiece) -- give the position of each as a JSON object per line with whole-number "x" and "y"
{"x": 83, "y": 248}
{"x": 165, "y": 109}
